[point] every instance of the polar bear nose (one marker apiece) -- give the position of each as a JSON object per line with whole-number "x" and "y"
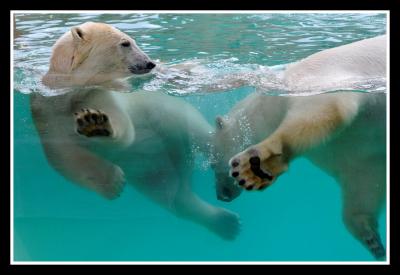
{"x": 224, "y": 198}
{"x": 150, "y": 65}
{"x": 228, "y": 194}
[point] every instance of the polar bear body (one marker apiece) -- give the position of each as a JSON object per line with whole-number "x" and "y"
{"x": 344, "y": 133}
{"x": 99, "y": 138}
{"x": 136, "y": 153}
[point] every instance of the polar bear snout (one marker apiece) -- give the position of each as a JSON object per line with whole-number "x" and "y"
{"x": 228, "y": 194}
{"x": 224, "y": 195}
{"x": 142, "y": 68}
{"x": 226, "y": 189}
{"x": 150, "y": 65}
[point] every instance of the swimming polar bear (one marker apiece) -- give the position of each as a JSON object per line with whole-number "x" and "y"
{"x": 97, "y": 138}
{"x": 344, "y": 133}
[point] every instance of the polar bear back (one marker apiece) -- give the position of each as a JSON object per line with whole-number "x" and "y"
{"x": 356, "y": 61}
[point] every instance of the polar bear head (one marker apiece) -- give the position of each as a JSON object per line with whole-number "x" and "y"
{"x": 225, "y": 145}
{"x": 94, "y": 53}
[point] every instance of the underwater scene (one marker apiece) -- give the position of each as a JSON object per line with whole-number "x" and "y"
{"x": 199, "y": 137}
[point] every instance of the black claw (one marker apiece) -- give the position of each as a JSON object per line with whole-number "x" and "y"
{"x": 242, "y": 182}
{"x": 105, "y": 118}
{"x": 235, "y": 174}
{"x": 250, "y": 187}
{"x": 262, "y": 187}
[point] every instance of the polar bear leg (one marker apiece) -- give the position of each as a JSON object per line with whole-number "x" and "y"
{"x": 309, "y": 122}
{"x": 102, "y": 117}
{"x": 364, "y": 227}
{"x": 222, "y": 222}
{"x": 362, "y": 199}
{"x": 85, "y": 168}
{"x": 66, "y": 155}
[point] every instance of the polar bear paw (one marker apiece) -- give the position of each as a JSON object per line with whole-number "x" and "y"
{"x": 258, "y": 166}
{"x": 226, "y": 224}
{"x": 93, "y": 123}
{"x": 108, "y": 182}
{"x": 374, "y": 244}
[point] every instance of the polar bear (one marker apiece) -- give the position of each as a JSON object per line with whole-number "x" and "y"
{"x": 344, "y": 133}
{"x": 99, "y": 138}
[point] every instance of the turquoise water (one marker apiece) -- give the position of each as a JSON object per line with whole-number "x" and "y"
{"x": 296, "y": 219}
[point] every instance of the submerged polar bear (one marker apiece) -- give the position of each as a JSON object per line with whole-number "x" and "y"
{"x": 97, "y": 138}
{"x": 344, "y": 133}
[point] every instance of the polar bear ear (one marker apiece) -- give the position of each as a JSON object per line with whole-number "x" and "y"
{"x": 219, "y": 121}
{"x": 77, "y": 34}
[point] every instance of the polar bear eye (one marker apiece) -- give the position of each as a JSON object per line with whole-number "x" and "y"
{"x": 125, "y": 44}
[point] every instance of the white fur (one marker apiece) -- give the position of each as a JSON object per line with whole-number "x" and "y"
{"x": 356, "y": 61}
{"x": 153, "y": 134}
{"x": 343, "y": 133}
{"x": 91, "y": 54}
